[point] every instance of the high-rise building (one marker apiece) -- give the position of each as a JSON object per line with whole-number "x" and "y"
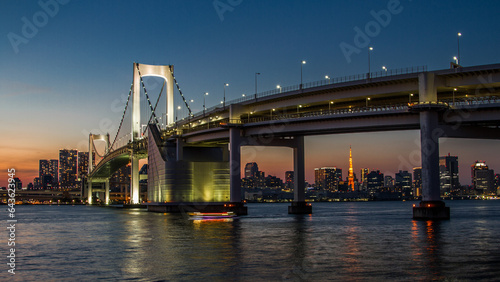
{"x": 328, "y": 178}
{"x": 403, "y": 180}
{"x": 36, "y": 183}
{"x": 375, "y": 180}
{"x": 448, "y": 174}
{"x": 350, "y": 179}
{"x": 388, "y": 181}
{"x": 482, "y": 178}
{"x": 252, "y": 170}
{"x": 18, "y": 183}
{"x": 417, "y": 181}
{"x": 83, "y": 164}
{"x": 289, "y": 179}
{"x": 68, "y": 164}
{"x": 48, "y": 174}
{"x": 364, "y": 173}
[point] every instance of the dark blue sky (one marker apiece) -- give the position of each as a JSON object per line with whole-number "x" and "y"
{"x": 61, "y": 81}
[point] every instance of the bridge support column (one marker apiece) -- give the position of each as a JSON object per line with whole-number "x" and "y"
{"x": 299, "y": 205}
{"x": 89, "y": 191}
{"x": 235, "y": 171}
{"x": 134, "y": 181}
{"x": 106, "y": 193}
{"x": 431, "y": 206}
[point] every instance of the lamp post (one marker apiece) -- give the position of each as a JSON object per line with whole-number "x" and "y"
{"x": 369, "y": 69}
{"x": 204, "y": 108}
{"x": 178, "y": 108}
{"x": 384, "y": 68}
{"x": 257, "y": 73}
{"x": 301, "y": 64}
{"x": 367, "y": 99}
{"x": 279, "y": 87}
{"x": 453, "y": 97}
{"x": 456, "y": 60}
{"x": 224, "y": 101}
{"x": 298, "y": 106}
{"x": 271, "y": 113}
{"x": 327, "y": 77}
{"x": 329, "y": 105}
{"x": 458, "y": 47}
{"x": 409, "y": 97}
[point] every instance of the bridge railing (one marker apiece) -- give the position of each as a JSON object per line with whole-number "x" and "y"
{"x": 323, "y": 82}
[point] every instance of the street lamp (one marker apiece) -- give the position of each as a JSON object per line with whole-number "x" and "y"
{"x": 456, "y": 60}
{"x": 279, "y": 87}
{"x": 301, "y": 64}
{"x": 384, "y": 68}
{"x": 204, "y": 108}
{"x": 458, "y": 47}
{"x": 257, "y": 73}
{"x": 327, "y": 77}
{"x": 453, "y": 97}
{"x": 369, "y": 69}
{"x": 409, "y": 97}
{"x": 271, "y": 112}
{"x": 224, "y": 103}
{"x": 329, "y": 105}
{"x": 178, "y": 108}
{"x": 299, "y": 106}
{"x": 367, "y": 99}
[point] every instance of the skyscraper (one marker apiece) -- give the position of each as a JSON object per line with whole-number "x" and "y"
{"x": 48, "y": 174}
{"x": 327, "y": 178}
{"x": 251, "y": 170}
{"x": 448, "y": 174}
{"x": 482, "y": 178}
{"x": 417, "y": 181}
{"x": 350, "y": 182}
{"x": 364, "y": 173}
{"x": 375, "y": 180}
{"x": 289, "y": 179}
{"x": 83, "y": 164}
{"x": 68, "y": 163}
{"x": 403, "y": 180}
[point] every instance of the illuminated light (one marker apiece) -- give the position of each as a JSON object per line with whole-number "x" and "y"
{"x": 300, "y": 106}
{"x": 371, "y": 48}
{"x": 459, "y": 34}
{"x": 303, "y": 62}
{"x": 413, "y": 205}
{"x": 274, "y": 110}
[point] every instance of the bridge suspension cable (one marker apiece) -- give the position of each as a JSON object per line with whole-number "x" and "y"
{"x": 147, "y": 96}
{"x": 182, "y": 95}
{"x": 123, "y": 116}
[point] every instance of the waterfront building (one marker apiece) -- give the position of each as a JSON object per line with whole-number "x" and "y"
{"x": 448, "y": 174}
{"x": 482, "y": 178}
{"x": 68, "y": 164}
{"x": 417, "y": 181}
{"x": 375, "y": 180}
{"x": 328, "y": 178}
{"x": 364, "y": 173}
{"x": 48, "y": 174}
{"x": 289, "y": 179}
{"x": 252, "y": 170}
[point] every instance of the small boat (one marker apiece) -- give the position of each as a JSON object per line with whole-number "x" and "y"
{"x": 211, "y": 215}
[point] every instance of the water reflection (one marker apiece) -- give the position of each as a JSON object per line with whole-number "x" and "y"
{"x": 427, "y": 248}
{"x": 299, "y": 250}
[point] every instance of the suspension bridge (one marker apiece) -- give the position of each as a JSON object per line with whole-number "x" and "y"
{"x": 195, "y": 161}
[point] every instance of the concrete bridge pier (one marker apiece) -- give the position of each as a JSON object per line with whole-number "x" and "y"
{"x": 299, "y": 205}
{"x": 431, "y": 206}
{"x": 236, "y": 205}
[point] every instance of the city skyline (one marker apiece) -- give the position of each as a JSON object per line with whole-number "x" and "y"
{"x": 66, "y": 76}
